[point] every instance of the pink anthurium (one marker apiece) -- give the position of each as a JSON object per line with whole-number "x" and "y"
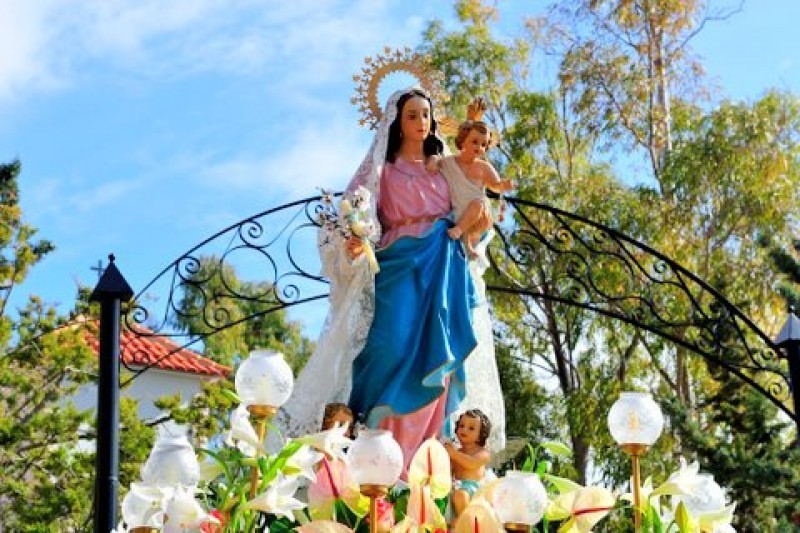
{"x": 333, "y": 482}
{"x": 431, "y": 467}
{"x": 478, "y": 517}
{"x": 423, "y": 510}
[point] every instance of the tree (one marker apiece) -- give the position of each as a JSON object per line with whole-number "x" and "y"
{"x": 719, "y": 177}
{"x": 46, "y": 452}
{"x": 232, "y": 317}
{"x": 46, "y": 456}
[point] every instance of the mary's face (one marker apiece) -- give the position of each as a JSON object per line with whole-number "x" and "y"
{"x": 415, "y": 120}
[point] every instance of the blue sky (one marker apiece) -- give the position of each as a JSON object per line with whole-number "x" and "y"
{"x": 144, "y": 126}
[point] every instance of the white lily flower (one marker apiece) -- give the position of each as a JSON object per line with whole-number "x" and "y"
{"x": 683, "y": 481}
{"x": 242, "y": 433}
{"x": 143, "y": 505}
{"x": 705, "y": 497}
{"x": 304, "y": 461}
{"x": 279, "y": 498}
{"x": 331, "y": 442}
{"x": 184, "y": 512}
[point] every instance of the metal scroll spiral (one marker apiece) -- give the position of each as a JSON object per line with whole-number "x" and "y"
{"x": 552, "y": 254}
{"x": 277, "y": 248}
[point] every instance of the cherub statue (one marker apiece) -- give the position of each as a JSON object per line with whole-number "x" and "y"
{"x": 469, "y": 462}
{"x": 338, "y": 413}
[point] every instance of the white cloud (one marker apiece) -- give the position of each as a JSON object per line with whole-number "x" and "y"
{"x": 68, "y": 201}
{"x": 51, "y": 43}
{"x": 24, "y": 40}
{"x": 313, "y": 158}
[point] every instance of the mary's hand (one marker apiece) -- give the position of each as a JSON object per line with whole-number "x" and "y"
{"x": 355, "y": 247}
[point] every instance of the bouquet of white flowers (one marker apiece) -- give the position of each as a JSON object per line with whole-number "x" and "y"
{"x": 352, "y": 219}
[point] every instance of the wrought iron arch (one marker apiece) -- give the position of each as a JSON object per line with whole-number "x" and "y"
{"x": 590, "y": 266}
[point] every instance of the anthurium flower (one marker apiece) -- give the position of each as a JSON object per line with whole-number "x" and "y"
{"x": 184, "y": 512}
{"x": 333, "y": 482}
{"x": 582, "y": 508}
{"x": 242, "y": 433}
{"x": 431, "y": 466}
{"x": 279, "y": 498}
{"x": 423, "y": 510}
{"x": 478, "y": 517}
{"x": 324, "y": 526}
{"x": 331, "y": 442}
{"x": 561, "y": 484}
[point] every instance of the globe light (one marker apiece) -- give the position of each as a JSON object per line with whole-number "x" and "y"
{"x": 520, "y": 500}
{"x": 171, "y": 462}
{"x": 264, "y": 379}
{"x": 635, "y": 419}
{"x": 376, "y": 461}
{"x": 635, "y": 422}
{"x": 375, "y": 458}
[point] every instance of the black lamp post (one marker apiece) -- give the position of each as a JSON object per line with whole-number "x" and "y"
{"x": 789, "y": 339}
{"x": 111, "y": 291}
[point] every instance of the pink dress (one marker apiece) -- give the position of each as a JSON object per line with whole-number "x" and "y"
{"x": 410, "y": 200}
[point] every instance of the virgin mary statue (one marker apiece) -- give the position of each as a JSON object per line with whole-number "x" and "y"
{"x": 410, "y": 347}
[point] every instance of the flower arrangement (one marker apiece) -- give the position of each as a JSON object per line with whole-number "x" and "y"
{"x": 352, "y": 219}
{"x": 327, "y": 483}
{"x": 307, "y": 486}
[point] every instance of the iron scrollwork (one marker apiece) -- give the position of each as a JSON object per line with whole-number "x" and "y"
{"x": 277, "y": 247}
{"x": 600, "y": 269}
{"x": 590, "y": 266}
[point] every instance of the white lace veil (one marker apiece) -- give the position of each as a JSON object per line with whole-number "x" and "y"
{"x": 327, "y": 377}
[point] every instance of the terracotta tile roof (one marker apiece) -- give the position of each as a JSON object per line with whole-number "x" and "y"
{"x": 147, "y": 348}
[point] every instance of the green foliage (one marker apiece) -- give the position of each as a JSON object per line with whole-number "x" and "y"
{"x": 234, "y": 316}
{"x": 719, "y": 194}
{"x": 47, "y": 459}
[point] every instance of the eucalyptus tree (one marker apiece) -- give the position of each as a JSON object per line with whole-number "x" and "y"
{"x": 719, "y": 175}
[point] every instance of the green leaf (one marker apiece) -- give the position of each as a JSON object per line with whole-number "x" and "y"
{"x": 231, "y": 395}
{"x": 557, "y": 448}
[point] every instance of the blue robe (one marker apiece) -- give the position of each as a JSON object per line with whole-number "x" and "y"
{"x": 421, "y": 331}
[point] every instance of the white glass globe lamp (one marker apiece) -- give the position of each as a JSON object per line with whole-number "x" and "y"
{"x": 520, "y": 500}
{"x": 635, "y": 419}
{"x": 171, "y": 462}
{"x": 264, "y": 379}
{"x": 375, "y": 458}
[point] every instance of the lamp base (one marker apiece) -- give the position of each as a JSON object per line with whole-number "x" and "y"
{"x": 513, "y": 526}
{"x": 262, "y": 411}
{"x": 374, "y": 491}
{"x": 636, "y": 450}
